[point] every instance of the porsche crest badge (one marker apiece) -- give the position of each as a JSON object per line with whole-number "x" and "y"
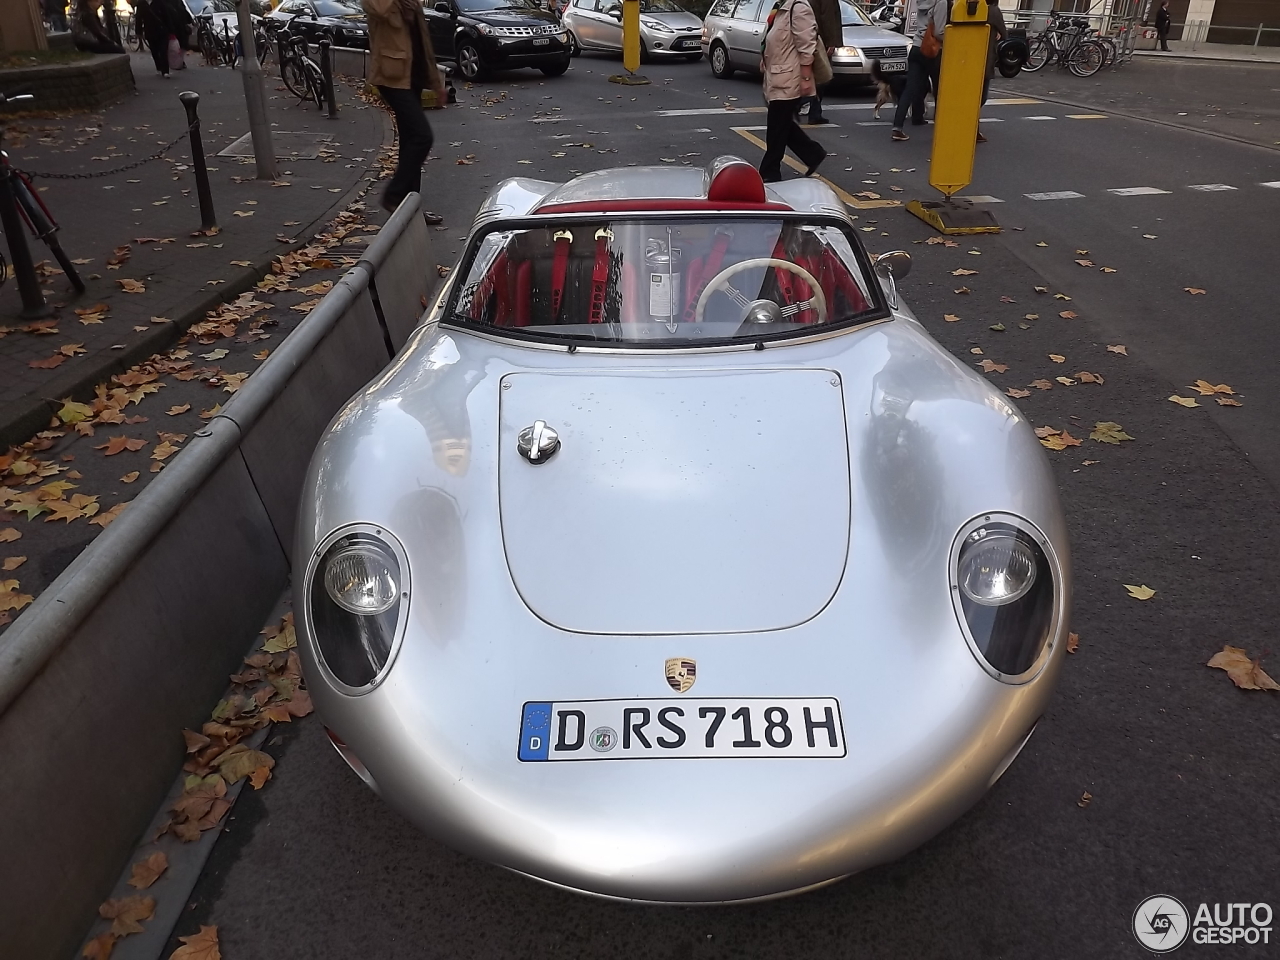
{"x": 681, "y": 672}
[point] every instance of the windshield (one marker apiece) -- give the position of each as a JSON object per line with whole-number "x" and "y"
{"x": 660, "y": 6}
{"x": 337, "y": 8}
{"x": 851, "y": 16}
{"x": 199, "y": 7}
{"x": 481, "y": 6}
{"x": 668, "y": 282}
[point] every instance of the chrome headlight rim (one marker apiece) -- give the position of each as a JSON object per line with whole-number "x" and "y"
{"x": 314, "y": 580}
{"x": 1057, "y": 616}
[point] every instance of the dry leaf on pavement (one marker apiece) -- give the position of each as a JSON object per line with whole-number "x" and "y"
{"x": 1060, "y": 441}
{"x": 1244, "y": 673}
{"x": 1107, "y": 431}
{"x": 1041, "y": 384}
{"x": 1084, "y": 376}
{"x": 146, "y": 872}
{"x": 963, "y": 290}
{"x": 990, "y": 366}
{"x": 175, "y": 410}
{"x": 1073, "y": 642}
{"x": 199, "y": 946}
{"x": 1057, "y": 358}
{"x": 1228, "y": 402}
{"x": 9, "y": 534}
{"x": 10, "y": 599}
{"x": 962, "y": 272}
{"x": 12, "y": 563}
{"x": 239, "y": 761}
{"x": 127, "y": 913}
{"x": 1081, "y": 803}
{"x": 104, "y": 519}
{"x": 131, "y": 286}
{"x": 1017, "y": 394}
{"x": 116, "y": 444}
{"x": 1205, "y": 388}
{"x": 1068, "y": 314}
{"x": 1185, "y": 401}
{"x": 950, "y": 317}
{"x": 1194, "y": 291}
{"x": 1119, "y": 348}
{"x": 100, "y": 947}
{"x": 1142, "y": 592}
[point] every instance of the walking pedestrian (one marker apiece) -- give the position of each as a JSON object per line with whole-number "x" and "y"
{"x": 1162, "y": 25}
{"x": 923, "y": 64}
{"x": 153, "y": 24}
{"x": 403, "y": 65}
{"x": 791, "y": 40}
{"x": 179, "y": 21}
{"x": 997, "y": 33}
{"x": 56, "y": 11}
{"x": 830, "y": 35}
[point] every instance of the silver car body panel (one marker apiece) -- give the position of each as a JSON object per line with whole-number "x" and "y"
{"x": 662, "y": 33}
{"x": 920, "y": 446}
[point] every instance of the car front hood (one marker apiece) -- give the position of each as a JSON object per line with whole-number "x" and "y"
{"x": 863, "y": 36}
{"x": 680, "y": 501}
{"x": 530, "y": 19}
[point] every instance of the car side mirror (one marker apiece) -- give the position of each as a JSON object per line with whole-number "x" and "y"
{"x": 444, "y": 8}
{"x": 615, "y": 12}
{"x": 895, "y": 262}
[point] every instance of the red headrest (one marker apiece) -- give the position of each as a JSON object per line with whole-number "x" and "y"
{"x": 735, "y": 182}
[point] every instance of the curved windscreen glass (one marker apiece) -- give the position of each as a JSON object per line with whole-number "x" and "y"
{"x": 665, "y": 282}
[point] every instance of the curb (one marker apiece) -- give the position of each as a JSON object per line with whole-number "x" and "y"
{"x": 23, "y": 419}
{"x": 1202, "y": 58}
{"x": 1134, "y": 116}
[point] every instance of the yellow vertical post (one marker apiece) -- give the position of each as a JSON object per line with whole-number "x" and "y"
{"x": 955, "y": 126}
{"x": 631, "y": 35}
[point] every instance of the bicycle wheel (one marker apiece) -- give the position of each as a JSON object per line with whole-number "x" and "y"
{"x": 315, "y": 81}
{"x": 1039, "y": 53}
{"x": 295, "y": 77}
{"x": 1111, "y": 52}
{"x": 209, "y": 48}
{"x": 1086, "y": 58}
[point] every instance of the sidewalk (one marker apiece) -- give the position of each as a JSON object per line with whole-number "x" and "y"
{"x": 145, "y": 220}
{"x": 1239, "y": 53}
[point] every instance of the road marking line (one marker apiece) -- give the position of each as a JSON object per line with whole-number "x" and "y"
{"x": 1210, "y": 187}
{"x": 812, "y": 126}
{"x": 981, "y": 198}
{"x": 991, "y": 120}
{"x": 1039, "y": 118}
{"x": 844, "y": 195}
{"x": 867, "y": 123}
{"x": 1137, "y": 191}
{"x": 1274, "y": 184}
{"x": 1056, "y": 195}
{"x": 1011, "y": 101}
{"x": 1086, "y": 116}
{"x": 711, "y": 111}
{"x": 722, "y": 111}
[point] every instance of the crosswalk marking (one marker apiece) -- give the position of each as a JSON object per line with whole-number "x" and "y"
{"x": 981, "y": 198}
{"x": 1136, "y": 191}
{"x": 1209, "y": 187}
{"x": 1055, "y": 195}
{"x": 1039, "y": 118}
{"x": 1086, "y": 116}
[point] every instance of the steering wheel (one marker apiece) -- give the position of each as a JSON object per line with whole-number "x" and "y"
{"x": 817, "y": 301}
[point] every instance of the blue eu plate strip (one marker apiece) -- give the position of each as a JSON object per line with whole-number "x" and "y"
{"x": 535, "y": 731}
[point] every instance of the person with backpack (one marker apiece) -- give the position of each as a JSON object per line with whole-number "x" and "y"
{"x": 923, "y": 63}
{"x": 791, "y": 41}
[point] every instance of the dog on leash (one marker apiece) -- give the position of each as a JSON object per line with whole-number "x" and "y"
{"x": 889, "y": 87}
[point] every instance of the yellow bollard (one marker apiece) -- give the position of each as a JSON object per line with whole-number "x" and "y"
{"x": 955, "y": 127}
{"x": 631, "y": 35}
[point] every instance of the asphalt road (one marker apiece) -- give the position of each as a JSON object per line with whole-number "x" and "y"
{"x": 1181, "y": 766}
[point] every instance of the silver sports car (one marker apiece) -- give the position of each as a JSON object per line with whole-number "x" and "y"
{"x": 671, "y": 559}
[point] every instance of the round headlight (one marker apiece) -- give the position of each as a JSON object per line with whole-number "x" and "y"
{"x": 996, "y": 567}
{"x": 362, "y": 579}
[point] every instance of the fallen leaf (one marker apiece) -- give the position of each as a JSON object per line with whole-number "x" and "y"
{"x": 1082, "y": 803}
{"x": 1041, "y": 243}
{"x": 131, "y": 286}
{"x": 1142, "y": 592}
{"x": 1065, "y": 381}
{"x": 1032, "y": 316}
{"x": 163, "y": 451}
{"x": 1082, "y": 253}
{"x": 1148, "y": 236}
{"x": 1068, "y": 314}
{"x": 175, "y": 410}
{"x": 1206, "y": 389}
{"x": 99, "y": 948}
{"x": 104, "y": 519}
{"x": 8, "y": 535}
{"x": 1185, "y": 401}
{"x": 199, "y": 946}
{"x": 976, "y": 351}
{"x": 1108, "y": 269}
{"x": 1084, "y": 376}
{"x": 115, "y": 445}
{"x": 127, "y": 913}
{"x": 1244, "y": 673}
{"x": 962, "y": 272}
{"x": 1073, "y": 642}
{"x": 73, "y": 412}
{"x": 129, "y": 477}
{"x": 1018, "y": 394}
{"x": 1057, "y": 358}
{"x": 1046, "y": 431}
{"x": 48, "y": 363}
{"x": 1060, "y": 441}
{"x": 211, "y": 412}
{"x": 959, "y": 289}
{"x": 1086, "y": 263}
{"x": 10, "y": 598}
{"x": 1228, "y": 402}
{"x": 1119, "y": 348}
{"x": 997, "y": 327}
{"x": 950, "y": 317}
{"x": 259, "y": 777}
{"x": 990, "y": 366}
{"x": 1061, "y": 296}
{"x": 1194, "y": 291}
{"x": 239, "y": 761}
{"x": 1042, "y": 289}
{"x": 1041, "y": 384}
{"x": 12, "y": 563}
{"x": 146, "y": 872}
{"x": 1107, "y": 431}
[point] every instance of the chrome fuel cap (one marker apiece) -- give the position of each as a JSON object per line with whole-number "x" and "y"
{"x": 538, "y": 443}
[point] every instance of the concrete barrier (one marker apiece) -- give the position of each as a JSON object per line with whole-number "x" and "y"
{"x": 137, "y": 636}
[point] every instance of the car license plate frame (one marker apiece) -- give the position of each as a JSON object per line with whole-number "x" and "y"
{"x": 893, "y": 66}
{"x": 686, "y": 729}
{"x": 541, "y": 41}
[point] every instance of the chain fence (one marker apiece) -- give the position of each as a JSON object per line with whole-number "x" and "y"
{"x": 96, "y": 174}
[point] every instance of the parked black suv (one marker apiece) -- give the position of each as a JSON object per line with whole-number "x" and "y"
{"x": 486, "y": 35}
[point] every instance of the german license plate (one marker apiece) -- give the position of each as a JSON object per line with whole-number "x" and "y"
{"x": 655, "y": 729}
{"x": 893, "y": 66}
{"x": 689, "y": 44}
{"x": 541, "y": 41}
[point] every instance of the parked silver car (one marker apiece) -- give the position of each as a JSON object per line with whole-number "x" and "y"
{"x": 672, "y": 559}
{"x": 666, "y": 28}
{"x": 734, "y": 30}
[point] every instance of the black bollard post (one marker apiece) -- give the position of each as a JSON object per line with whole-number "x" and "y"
{"x": 326, "y": 74}
{"x": 33, "y": 304}
{"x": 190, "y": 101}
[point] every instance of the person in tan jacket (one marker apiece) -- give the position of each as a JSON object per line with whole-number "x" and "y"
{"x": 402, "y": 65}
{"x": 787, "y": 65}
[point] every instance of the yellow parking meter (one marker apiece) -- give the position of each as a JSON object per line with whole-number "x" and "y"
{"x": 955, "y": 125}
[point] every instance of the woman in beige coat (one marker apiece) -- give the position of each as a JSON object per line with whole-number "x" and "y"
{"x": 787, "y": 65}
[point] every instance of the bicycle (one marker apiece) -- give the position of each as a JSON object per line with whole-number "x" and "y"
{"x": 32, "y": 211}
{"x": 216, "y": 50}
{"x": 132, "y": 36}
{"x": 299, "y": 72}
{"x": 1065, "y": 39}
